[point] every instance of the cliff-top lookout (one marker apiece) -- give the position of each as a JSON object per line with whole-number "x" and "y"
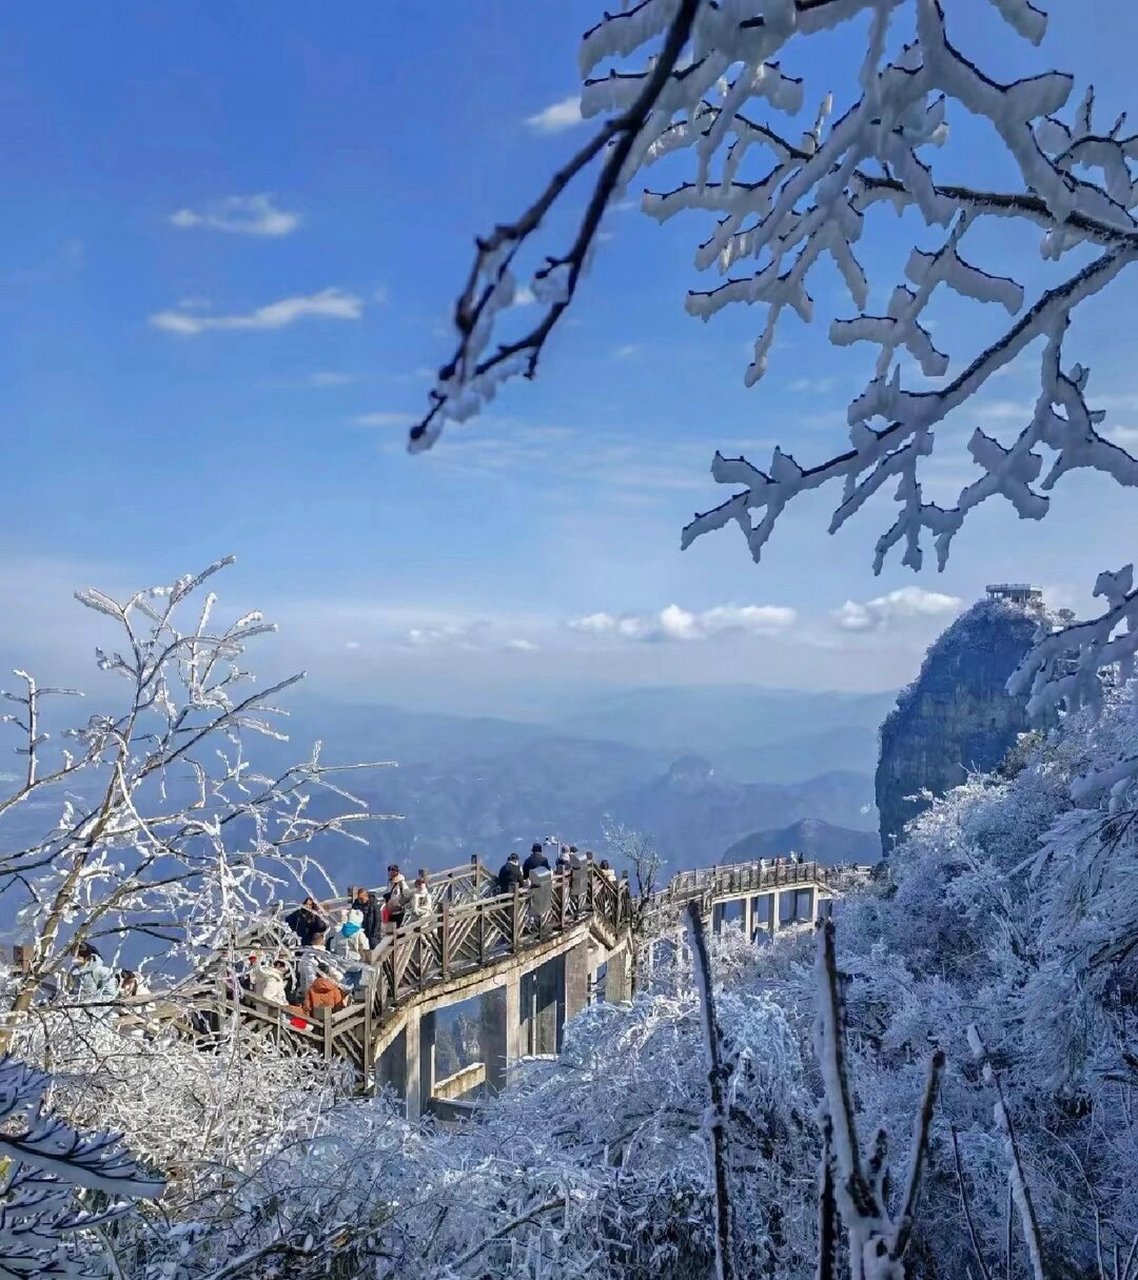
{"x": 1022, "y": 593}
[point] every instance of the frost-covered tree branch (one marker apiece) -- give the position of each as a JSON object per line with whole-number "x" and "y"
{"x": 799, "y": 179}
{"x": 718, "y": 1123}
{"x": 878, "y": 1238}
{"x": 46, "y": 1163}
{"x": 166, "y": 834}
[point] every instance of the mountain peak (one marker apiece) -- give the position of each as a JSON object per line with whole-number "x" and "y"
{"x": 691, "y": 769}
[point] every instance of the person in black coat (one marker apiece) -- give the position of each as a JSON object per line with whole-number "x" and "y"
{"x": 366, "y": 903}
{"x": 510, "y": 874}
{"x": 536, "y": 859}
{"x": 306, "y": 921}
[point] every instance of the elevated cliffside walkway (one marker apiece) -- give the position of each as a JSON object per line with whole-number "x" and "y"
{"x": 533, "y": 956}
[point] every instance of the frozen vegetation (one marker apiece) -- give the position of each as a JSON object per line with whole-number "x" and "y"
{"x": 943, "y": 1085}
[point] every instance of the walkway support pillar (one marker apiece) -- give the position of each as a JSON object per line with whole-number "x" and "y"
{"x": 575, "y": 988}
{"x": 618, "y": 979}
{"x": 749, "y": 919}
{"x": 501, "y": 1031}
{"x": 412, "y": 1064}
{"x": 776, "y": 906}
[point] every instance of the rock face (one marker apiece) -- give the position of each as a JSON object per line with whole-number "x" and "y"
{"x": 956, "y": 717}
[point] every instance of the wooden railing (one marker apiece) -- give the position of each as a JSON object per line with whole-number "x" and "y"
{"x": 462, "y": 939}
{"x": 761, "y": 876}
{"x": 472, "y": 928}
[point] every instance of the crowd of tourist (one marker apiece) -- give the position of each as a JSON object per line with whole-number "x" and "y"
{"x": 334, "y": 962}
{"x": 336, "y": 948}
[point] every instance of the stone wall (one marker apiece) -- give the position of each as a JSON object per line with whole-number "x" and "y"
{"x": 956, "y": 717}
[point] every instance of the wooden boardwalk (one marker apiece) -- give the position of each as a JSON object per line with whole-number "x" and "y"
{"x": 475, "y": 938}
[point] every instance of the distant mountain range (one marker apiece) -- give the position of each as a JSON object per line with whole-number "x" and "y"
{"x": 697, "y": 770}
{"x": 816, "y": 840}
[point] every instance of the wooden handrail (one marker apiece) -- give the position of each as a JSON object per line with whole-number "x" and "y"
{"x": 474, "y": 926}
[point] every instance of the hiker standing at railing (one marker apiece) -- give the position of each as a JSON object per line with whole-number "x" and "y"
{"x": 511, "y": 874}
{"x": 364, "y": 902}
{"x": 421, "y": 905}
{"x": 536, "y": 860}
{"x": 397, "y": 896}
{"x": 306, "y": 920}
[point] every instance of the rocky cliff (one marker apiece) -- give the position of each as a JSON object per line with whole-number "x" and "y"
{"x": 956, "y": 717}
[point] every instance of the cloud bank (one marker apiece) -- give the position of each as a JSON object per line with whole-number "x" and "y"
{"x": 903, "y": 605}
{"x": 677, "y": 625}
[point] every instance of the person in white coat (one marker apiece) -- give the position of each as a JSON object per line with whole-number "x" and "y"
{"x": 269, "y": 982}
{"x": 421, "y": 905}
{"x": 350, "y": 941}
{"x": 97, "y": 981}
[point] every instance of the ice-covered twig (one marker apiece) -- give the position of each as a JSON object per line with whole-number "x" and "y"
{"x": 877, "y": 1239}
{"x": 470, "y": 376}
{"x": 1021, "y": 1194}
{"x": 718, "y": 1120}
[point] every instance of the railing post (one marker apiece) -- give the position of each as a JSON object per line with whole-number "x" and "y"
{"x": 515, "y": 918}
{"x": 327, "y": 1019}
{"x": 444, "y": 941}
{"x": 475, "y": 870}
{"x": 480, "y": 925}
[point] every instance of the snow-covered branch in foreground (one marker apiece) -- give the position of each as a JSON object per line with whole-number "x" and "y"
{"x": 877, "y": 1239}
{"x": 718, "y": 1123}
{"x": 42, "y": 1221}
{"x": 165, "y": 836}
{"x": 796, "y": 190}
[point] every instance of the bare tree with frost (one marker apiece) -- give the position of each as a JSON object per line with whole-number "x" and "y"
{"x": 645, "y": 862}
{"x": 794, "y": 175}
{"x": 164, "y": 832}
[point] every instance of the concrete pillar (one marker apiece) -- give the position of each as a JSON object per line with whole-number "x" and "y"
{"x": 501, "y": 1031}
{"x": 617, "y": 977}
{"x": 391, "y": 1068}
{"x": 551, "y": 1005}
{"x": 776, "y": 907}
{"x": 412, "y": 1064}
{"x": 749, "y": 919}
{"x": 427, "y": 1072}
{"x": 575, "y": 987}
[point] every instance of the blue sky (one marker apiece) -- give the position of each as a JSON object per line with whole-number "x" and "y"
{"x": 228, "y": 246}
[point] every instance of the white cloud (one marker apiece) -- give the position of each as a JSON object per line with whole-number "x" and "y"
{"x": 1124, "y": 437}
{"x": 524, "y": 296}
{"x": 557, "y": 116}
{"x": 330, "y": 378}
{"x": 903, "y": 605}
{"x": 627, "y": 351}
{"x": 996, "y": 411}
{"x": 473, "y": 635}
{"x": 240, "y": 215}
{"x": 812, "y": 386}
{"x": 328, "y": 304}
{"x": 385, "y": 419}
{"x": 677, "y": 625}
